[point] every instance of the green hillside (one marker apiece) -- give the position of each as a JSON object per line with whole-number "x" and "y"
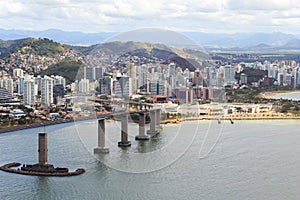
{"x": 183, "y": 57}
{"x": 66, "y": 68}
{"x": 42, "y": 47}
{"x": 8, "y": 45}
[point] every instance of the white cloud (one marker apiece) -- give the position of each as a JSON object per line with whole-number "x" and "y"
{"x": 261, "y": 4}
{"x": 122, "y": 15}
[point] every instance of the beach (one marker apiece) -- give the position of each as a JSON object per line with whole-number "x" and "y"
{"x": 272, "y": 95}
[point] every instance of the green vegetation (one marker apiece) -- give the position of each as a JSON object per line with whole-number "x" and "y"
{"x": 247, "y": 95}
{"x": 66, "y": 68}
{"x": 251, "y": 95}
{"x": 42, "y": 47}
{"x": 8, "y": 45}
{"x": 253, "y": 75}
{"x": 83, "y": 49}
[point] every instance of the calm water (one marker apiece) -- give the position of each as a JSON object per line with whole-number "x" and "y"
{"x": 294, "y": 96}
{"x": 246, "y": 160}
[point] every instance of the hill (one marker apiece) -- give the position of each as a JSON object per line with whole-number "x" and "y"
{"x": 39, "y": 47}
{"x": 7, "y": 45}
{"x": 47, "y": 57}
{"x": 34, "y": 55}
{"x": 117, "y": 53}
{"x": 66, "y": 68}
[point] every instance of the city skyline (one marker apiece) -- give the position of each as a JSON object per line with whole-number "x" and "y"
{"x": 220, "y": 16}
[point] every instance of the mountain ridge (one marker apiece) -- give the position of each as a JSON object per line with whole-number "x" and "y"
{"x": 199, "y": 39}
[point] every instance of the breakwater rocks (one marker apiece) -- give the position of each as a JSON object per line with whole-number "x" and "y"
{"x": 40, "y": 170}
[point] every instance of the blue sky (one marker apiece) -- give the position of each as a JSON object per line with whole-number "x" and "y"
{"x": 222, "y": 16}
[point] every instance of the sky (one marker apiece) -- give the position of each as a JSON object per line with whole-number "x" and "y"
{"x": 213, "y": 16}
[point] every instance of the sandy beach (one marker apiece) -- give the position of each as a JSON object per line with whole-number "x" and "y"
{"x": 271, "y": 95}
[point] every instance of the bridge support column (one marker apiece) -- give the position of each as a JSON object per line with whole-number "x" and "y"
{"x": 43, "y": 148}
{"x": 152, "y": 130}
{"x": 158, "y": 118}
{"x": 142, "y": 123}
{"x": 101, "y": 138}
{"x": 124, "y": 132}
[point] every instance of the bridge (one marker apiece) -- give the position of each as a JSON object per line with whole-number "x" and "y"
{"x": 125, "y": 104}
{"x": 155, "y": 127}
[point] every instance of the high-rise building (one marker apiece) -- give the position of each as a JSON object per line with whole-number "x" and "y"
{"x": 93, "y": 73}
{"x": 229, "y": 73}
{"x": 105, "y": 85}
{"x": 29, "y": 91}
{"x": 59, "y": 80}
{"x": 8, "y": 84}
{"x": 172, "y": 69}
{"x": 131, "y": 72}
{"x": 243, "y": 78}
{"x": 17, "y": 73}
{"x": 207, "y": 77}
{"x": 296, "y": 77}
{"x": 20, "y": 84}
{"x": 214, "y": 79}
{"x": 159, "y": 87}
{"x": 98, "y": 72}
{"x": 184, "y": 94}
{"x": 88, "y": 73}
{"x": 38, "y": 82}
{"x": 142, "y": 78}
{"x": 198, "y": 79}
{"x": 47, "y": 90}
{"x": 280, "y": 79}
{"x": 122, "y": 87}
{"x": 5, "y": 96}
{"x": 84, "y": 86}
{"x": 288, "y": 79}
{"x": 58, "y": 92}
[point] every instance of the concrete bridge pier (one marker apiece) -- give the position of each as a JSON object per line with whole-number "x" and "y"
{"x": 101, "y": 138}
{"x": 152, "y": 130}
{"x": 158, "y": 118}
{"x": 142, "y": 123}
{"x": 124, "y": 132}
{"x": 43, "y": 149}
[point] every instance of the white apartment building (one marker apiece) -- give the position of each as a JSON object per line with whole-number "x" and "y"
{"x": 8, "y": 84}
{"x": 47, "y": 84}
{"x": 29, "y": 91}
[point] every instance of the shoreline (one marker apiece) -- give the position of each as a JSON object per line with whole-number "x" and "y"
{"x": 242, "y": 118}
{"x": 271, "y": 95}
{"x": 270, "y": 116}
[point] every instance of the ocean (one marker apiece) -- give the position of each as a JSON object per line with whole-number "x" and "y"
{"x": 192, "y": 160}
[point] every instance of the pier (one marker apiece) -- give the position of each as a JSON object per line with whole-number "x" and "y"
{"x": 142, "y": 135}
{"x": 124, "y": 132}
{"x": 42, "y": 168}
